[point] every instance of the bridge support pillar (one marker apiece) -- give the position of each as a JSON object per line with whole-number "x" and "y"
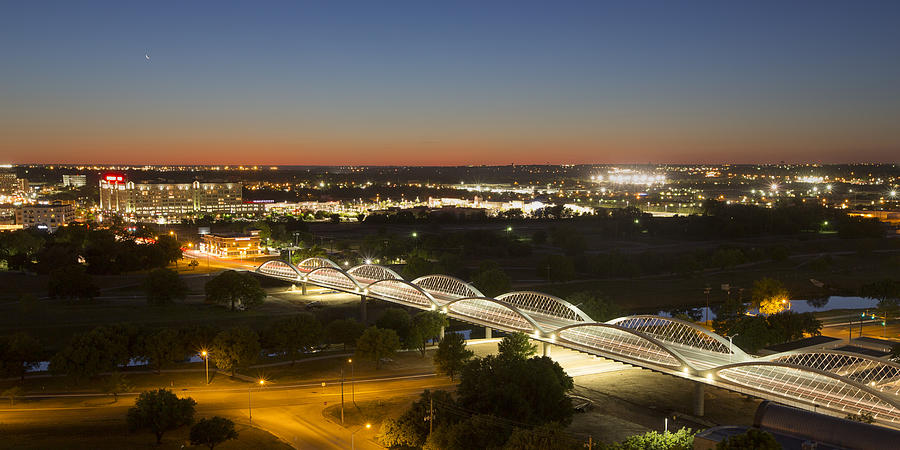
{"x": 546, "y": 346}
{"x": 303, "y": 288}
{"x": 487, "y": 332}
{"x": 362, "y": 309}
{"x": 442, "y": 333}
{"x": 699, "y": 391}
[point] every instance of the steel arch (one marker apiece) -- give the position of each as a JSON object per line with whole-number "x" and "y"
{"x": 309, "y": 264}
{"x": 545, "y": 304}
{"x": 373, "y": 272}
{"x": 677, "y": 331}
{"x": 334, "y": 277}
{"x": 407, "y": 293}
{"x": 449, "y": 285}
{"x": 492, "y": 312}
{"x": 810, "y": 385}
{"x": 867, "y": 370}
{"x": 279, "y": 269}
{"x": 627, "y": 343}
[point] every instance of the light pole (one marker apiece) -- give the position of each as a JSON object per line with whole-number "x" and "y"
{"x": 205, "y": 355}
{"x": 706, "y": 291}
{"x": 352, "y": 381}
{"x": 731, "y": 347}
{"x": 249, "y": 402}
{"x": 352, "y": 443}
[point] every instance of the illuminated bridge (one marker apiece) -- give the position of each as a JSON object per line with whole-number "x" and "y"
{"x": 835, "y": 382}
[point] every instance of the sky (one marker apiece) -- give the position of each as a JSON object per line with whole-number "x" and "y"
{"x": 449, "y": 82}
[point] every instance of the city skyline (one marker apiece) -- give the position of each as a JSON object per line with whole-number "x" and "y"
{"x": 429, "y": 84}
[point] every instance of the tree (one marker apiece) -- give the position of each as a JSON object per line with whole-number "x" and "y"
{"x": 885, "y": 289}
{"x": 116, "y": 384}
{"x": 71, "y": 282}
{"x": 596, "y": 305}
{"x": 427, "y": 326}
{"x": 344, "y": 331}
{"x": 169, "y": 248}
{"x": 377, "y": 344}
{"x": 235, "y": 348}
{"x": 683, "y": 439}
{"x": 163, "y": 348}
{"x": 550, "y": 436}
{"x": 19, "y": 353}
{"x": 680, "y": 440}
{"x": 531, "y": 391}
{"x": 230, "y": 287}
{"x": 164, "y": 286}
{"x": 102, "y": 349}
{"x": 753, "y": 438}
{"x": 478, "y": 431}
{"x": 397, "y": 319}
{"x": 409, "y": 430}
{"x": 160, "y": 411}
{"x": 516, "y": 345}
{"x": 452, "y": 354}
{"x": 212, "y": 432}
{"x": 13, "y": 393}
{"x": 294, "y": 334}
{"x": 769, "y": 295}
{"x": 491, "y": 280}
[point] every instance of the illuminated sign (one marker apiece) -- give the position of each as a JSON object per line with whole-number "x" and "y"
{"x": 114, "y": 178}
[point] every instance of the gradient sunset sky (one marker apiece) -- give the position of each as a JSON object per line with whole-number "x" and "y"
{"x": 449, "y": 82}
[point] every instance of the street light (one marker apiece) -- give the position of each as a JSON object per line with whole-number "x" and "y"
{"x": 731, "y": 347}
{"x": 352, "y": 381}
{"x": 352, "y": 443}
{"x": 205, "y": 355}
{"x": 249, "y": 402}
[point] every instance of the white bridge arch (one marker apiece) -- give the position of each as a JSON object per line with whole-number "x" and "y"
{"x": 829, "y": 381}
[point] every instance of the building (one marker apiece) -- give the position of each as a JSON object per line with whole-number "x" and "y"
{"x": 74, "y": 180}
{"x": 10, "y": 184}
{"x": 232, "y": 245}
{"x": 164, "y": 202}
{"x": 45, "y": 217}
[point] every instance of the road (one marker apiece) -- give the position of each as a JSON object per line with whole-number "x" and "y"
{"x": 293, "y": 413}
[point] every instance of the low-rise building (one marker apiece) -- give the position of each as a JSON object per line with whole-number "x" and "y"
{"x": 232, "y": 245}
{"x": 45, "y": 216}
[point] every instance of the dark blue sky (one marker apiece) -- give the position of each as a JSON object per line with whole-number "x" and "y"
{"x": 450, "y": 82}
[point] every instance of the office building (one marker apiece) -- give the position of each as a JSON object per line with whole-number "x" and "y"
{"x": 163, "y": 202}
{"x": 74, "y": 180}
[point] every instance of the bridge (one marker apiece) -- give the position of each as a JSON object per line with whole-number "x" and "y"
{"x": 833, "y": 382}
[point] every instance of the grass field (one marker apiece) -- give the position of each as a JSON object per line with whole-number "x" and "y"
{"x": 650, "y": 294}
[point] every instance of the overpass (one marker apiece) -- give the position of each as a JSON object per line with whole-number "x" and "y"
{"x": 834, "y": 382}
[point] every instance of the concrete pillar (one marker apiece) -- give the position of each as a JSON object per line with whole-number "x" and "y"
{"x": 699, "y": 389}
{"x": 362, "y": 309}
{"x": 303, "y": 288}
{"x": 546, "y": 348}
{"x": 487, "y": 332}
{"x": 442, "y": 333}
